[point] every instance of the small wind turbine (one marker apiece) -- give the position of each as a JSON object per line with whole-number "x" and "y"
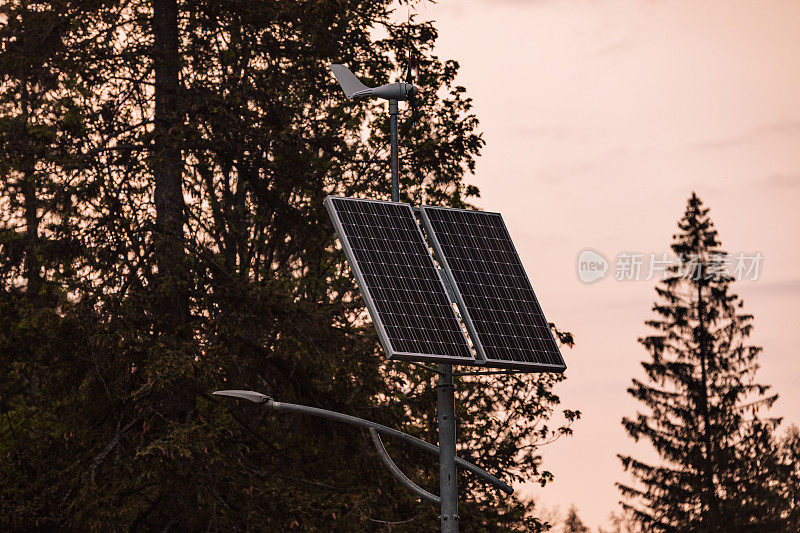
{"x": 353, "y": 88}
{"x": 393, "y": 92}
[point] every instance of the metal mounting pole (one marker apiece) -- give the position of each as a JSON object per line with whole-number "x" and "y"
{"x": 395, "y": 157}
{"x": 448, "y": 490}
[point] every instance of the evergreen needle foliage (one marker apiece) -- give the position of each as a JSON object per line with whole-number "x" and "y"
{"x": 720, "y": 468}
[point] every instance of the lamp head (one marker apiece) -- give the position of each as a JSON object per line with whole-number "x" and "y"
{"x": 253, "y": 396}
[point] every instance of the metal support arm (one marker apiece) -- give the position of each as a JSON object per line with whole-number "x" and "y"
{"x": 401, "y": 477}
{"x": 268, "y": 403}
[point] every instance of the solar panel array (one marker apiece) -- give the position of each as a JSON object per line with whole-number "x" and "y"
{"x": 407, "y": 299}
{"x": 400, "y": 283}
{"x": 498, "y": 304}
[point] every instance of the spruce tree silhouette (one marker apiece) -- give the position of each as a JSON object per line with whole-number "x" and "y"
{"x": 702, "y": 402}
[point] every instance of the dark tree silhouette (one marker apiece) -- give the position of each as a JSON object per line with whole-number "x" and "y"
{"x": 788, "y": 468}
{"x": 702, "y": 401}
{"x": 573, "y": 523}
{"x": 166, "y": 163}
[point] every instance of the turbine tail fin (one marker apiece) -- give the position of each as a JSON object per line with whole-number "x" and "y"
{"x": 350, "y": 84}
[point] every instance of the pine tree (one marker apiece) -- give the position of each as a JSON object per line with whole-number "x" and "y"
{"x": 701, "y": 397}
{"x": 573, "y": 523}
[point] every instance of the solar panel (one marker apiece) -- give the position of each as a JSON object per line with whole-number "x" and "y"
{"x": 497, "y": 302}
{"x": 405, "y": 296}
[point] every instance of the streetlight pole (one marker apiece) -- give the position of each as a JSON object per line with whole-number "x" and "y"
{"x": 448, "y": 476}
{"x": 394, "y": 149}
{"x": 445, "y": 394}
{"x": 445, "y": 391}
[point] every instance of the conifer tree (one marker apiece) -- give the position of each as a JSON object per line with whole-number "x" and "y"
{"x": 701, "y": 398}
{"x": 573, "y": 523}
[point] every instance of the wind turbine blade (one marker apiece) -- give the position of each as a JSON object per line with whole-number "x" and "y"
{"x": 350, "y": 84}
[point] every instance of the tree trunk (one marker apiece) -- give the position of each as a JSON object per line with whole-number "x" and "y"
{"x": 708, "y": 474}
{"x": 33, "y": 266}
{"x": 167, "y": 168}
{"x": 175, "y": 399}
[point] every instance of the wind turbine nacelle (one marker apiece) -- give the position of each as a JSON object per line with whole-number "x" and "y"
{"x": 390, "y": 91}
{"x": 353, "y": 88}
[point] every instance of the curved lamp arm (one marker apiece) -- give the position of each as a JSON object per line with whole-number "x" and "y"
{"x": 401, "y": 477}
{"x": 268, "y": 403}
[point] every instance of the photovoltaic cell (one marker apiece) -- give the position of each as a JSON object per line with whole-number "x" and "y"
{"x": 394, "y": 269}
{"x": 497, "y": 302}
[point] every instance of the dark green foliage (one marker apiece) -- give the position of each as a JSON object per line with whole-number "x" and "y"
{"x": 121, "y": 309}
{"x": 719, "y": 470}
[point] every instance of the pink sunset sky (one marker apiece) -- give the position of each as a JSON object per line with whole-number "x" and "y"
{"x": 600, "y": 118}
